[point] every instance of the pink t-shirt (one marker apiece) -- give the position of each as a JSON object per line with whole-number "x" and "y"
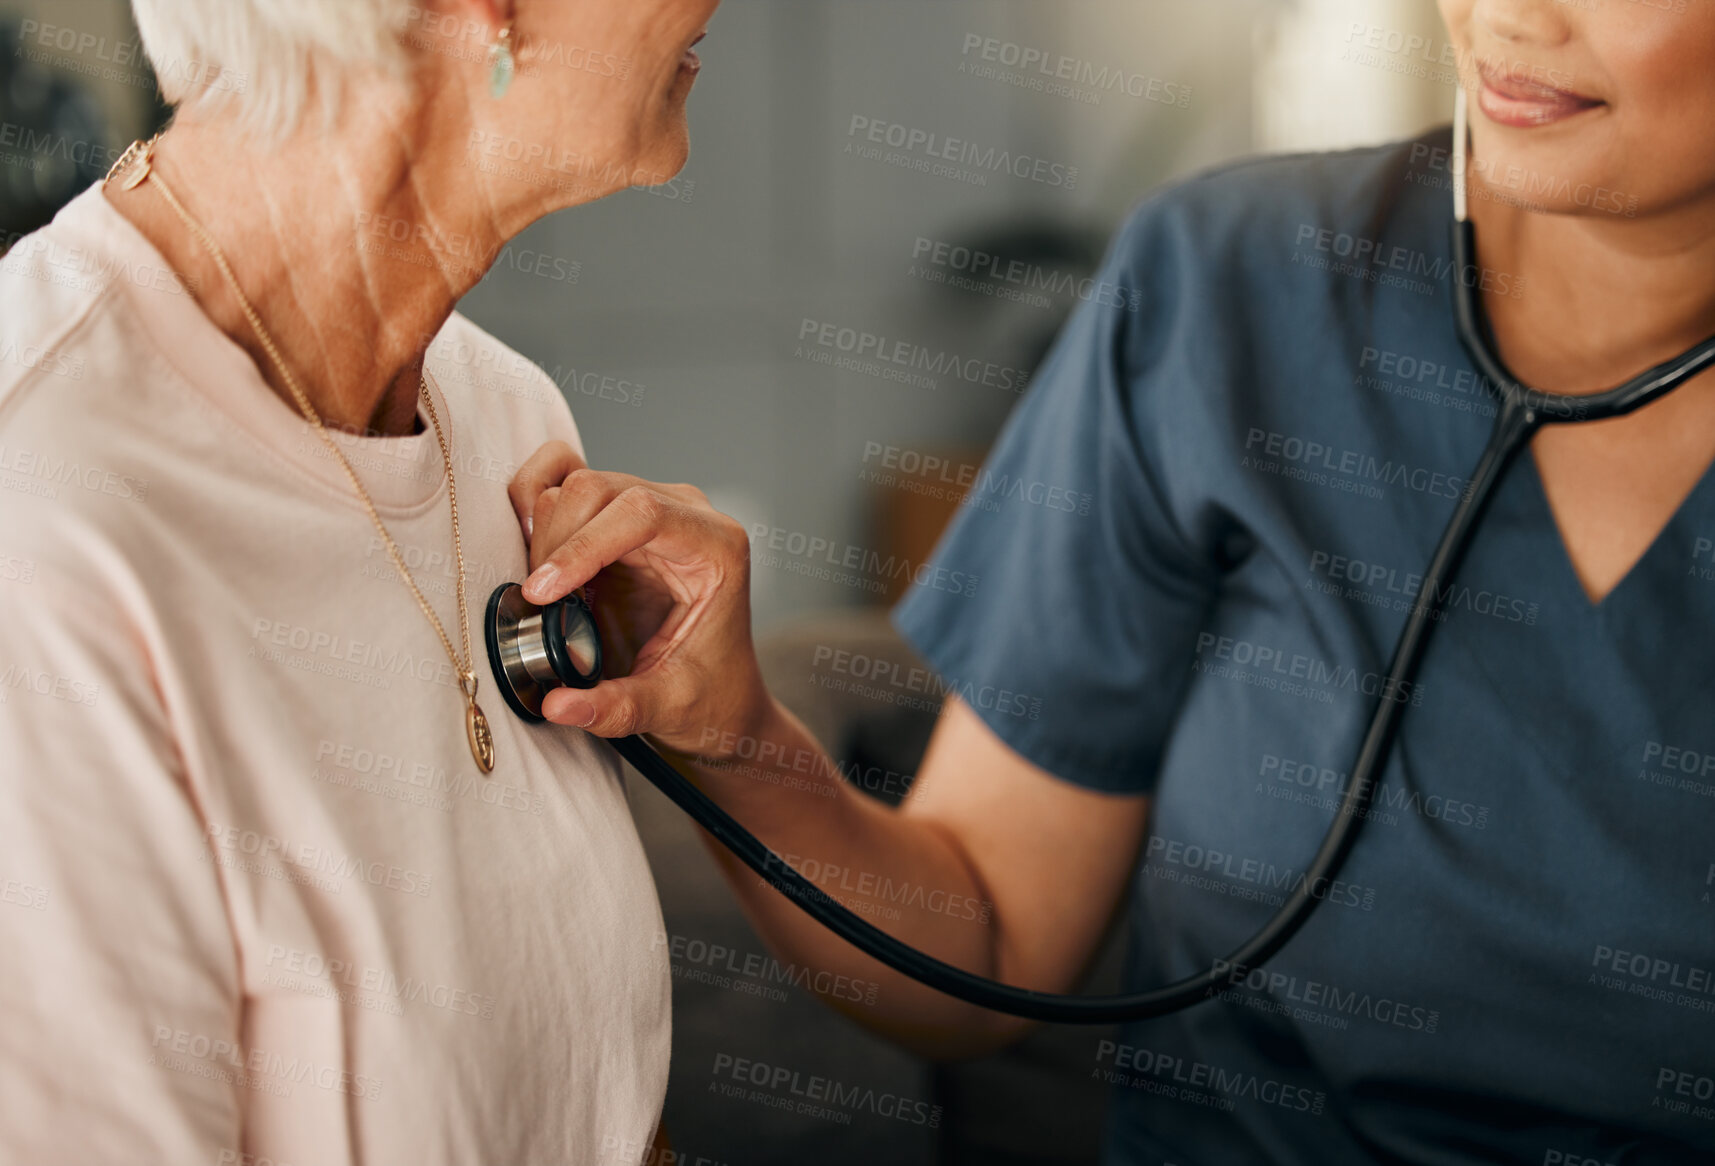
{"x": 255, "y": 896}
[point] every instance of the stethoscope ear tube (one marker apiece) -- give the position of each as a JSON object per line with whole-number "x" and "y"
{"x": 1478, "y": 341}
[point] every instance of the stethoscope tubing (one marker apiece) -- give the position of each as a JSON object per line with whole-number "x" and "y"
{"x": 1522, "y": 411}
{"x": 1509, "y": 436}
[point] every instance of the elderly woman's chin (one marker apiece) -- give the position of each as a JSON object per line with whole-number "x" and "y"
{"x": 663, "y": 148}
{"x": 671, "y": 147}
{"x": 668, "y": 156}
{"x": 651, "y": 151}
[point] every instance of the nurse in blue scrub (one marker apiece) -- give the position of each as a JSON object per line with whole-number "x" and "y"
{"x": 1155, "y": 697}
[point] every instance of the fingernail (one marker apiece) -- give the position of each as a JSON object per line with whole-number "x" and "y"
{"x": 578, "y": 711}
{"x": 540, "y": 582}
{"x": 529, "y": 527}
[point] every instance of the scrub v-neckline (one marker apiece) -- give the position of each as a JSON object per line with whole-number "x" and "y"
{"x": 1566, "y": 570}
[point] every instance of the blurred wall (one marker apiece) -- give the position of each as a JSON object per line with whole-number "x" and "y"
{"x": 1337, "y": 73}
{"x": 703, "y": 299}
{"x": 672, "y": 318}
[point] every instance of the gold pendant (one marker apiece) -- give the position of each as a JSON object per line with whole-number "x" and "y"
{"x": 142, "y": 175}
{"x": 481, "y": 737}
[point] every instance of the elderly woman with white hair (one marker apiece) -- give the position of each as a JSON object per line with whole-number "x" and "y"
{"x": 276, "y": 889}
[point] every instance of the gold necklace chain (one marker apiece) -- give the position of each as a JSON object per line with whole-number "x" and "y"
{"x": 476, "y": 724}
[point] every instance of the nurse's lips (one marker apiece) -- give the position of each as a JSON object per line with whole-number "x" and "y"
{"x": 1509, "y": 101}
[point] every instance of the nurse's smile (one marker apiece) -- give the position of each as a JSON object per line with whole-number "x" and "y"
{"x": 1509, "y": 100}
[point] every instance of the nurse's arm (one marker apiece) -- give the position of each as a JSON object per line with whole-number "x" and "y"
{"x": 990, "y": 864}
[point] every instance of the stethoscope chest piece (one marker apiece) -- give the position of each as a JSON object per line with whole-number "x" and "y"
{"x": 534, "y": 650}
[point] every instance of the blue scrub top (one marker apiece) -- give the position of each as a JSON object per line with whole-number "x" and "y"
{"x": 1196, "y": 542}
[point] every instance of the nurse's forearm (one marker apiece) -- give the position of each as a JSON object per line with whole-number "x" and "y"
{"x": 902, "y": 874}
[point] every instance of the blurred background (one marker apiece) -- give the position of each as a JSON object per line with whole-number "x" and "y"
{"x": 696, "y": 327}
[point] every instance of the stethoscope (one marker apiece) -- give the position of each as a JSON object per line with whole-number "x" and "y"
{"x": 534, "y": 650}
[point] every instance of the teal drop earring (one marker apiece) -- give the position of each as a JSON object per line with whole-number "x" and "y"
{"x": 501, "y": 66}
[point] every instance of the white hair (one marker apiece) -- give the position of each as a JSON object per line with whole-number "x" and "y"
{"x": 259, "y": 55}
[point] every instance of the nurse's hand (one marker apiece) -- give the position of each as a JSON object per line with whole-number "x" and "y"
{"x": 668, "y": 578}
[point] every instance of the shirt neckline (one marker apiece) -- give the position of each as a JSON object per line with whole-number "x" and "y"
{"x": 404, "y": 476}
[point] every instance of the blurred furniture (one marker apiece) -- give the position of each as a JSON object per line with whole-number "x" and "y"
{"x": 55, "y": 140}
